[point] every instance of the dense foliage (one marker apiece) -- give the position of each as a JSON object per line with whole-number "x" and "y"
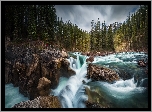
{"x": 131, "y": 35}
{"x": 40, "y": 22}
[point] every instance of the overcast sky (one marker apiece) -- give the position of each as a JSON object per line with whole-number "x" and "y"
{"x": 82, "y": 15}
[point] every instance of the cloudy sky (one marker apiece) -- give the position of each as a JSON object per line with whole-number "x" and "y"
{"x": 82, "y": 15}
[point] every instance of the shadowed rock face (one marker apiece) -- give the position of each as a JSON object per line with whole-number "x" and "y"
{"x": 8, "y": 72}
{"x": 100, "y": 73}
{"x": 65, "y": 70}
{"x": 40, "y": 102}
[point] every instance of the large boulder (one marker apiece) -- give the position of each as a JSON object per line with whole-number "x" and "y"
{"x": 44, "y": 86}
{"x": 65, "y": 70}
{"x": 40, "y": 102}
{"x": 96, "y": 99}
{"x": 100, "y": 73}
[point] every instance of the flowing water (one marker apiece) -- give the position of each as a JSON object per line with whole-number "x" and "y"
{"x": 121, "y": 94}
{"x": 12, "y": 96}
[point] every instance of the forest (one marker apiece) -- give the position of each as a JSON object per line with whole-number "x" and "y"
{"x": 40, "y": 22}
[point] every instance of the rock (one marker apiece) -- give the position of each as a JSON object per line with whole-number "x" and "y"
{"x": 50, "y": 102}
{"x": 44, "y": 86}
{"x": 92, "y": 105}
{"x": 65, "y": 70}
{"x": 141, "y": 63}
{"x": 8, "y": 72}
{"x": 83, "y": 82}
{"x": 18, "y": 70}
{"x": 64, "y": 54}
{"x": 33, "y": 66}
{"x": 123, "y": 74}
{"x": 96, "y": 99}
{"x": 40, "y": 102}
{"x": 90, "y": 59}
{"x": 100, "y": 73}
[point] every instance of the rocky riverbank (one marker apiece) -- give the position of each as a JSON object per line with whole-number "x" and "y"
{"x": 24, "y": 66}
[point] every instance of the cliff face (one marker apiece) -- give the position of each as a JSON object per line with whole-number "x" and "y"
{"x": 25, "y": 66}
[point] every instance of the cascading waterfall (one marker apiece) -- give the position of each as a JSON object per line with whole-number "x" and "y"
{"x": 78, "y": 61}
{"x": 73, "y": 94}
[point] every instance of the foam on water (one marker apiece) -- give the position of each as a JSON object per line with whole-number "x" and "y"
{"x": 128, "y": 57}
{"x": 72, "y": 94}
{"x": 62, "y": 83}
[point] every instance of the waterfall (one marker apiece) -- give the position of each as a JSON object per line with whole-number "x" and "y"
{"x": 78, "y": 62}
{"x": 72, "y": 94}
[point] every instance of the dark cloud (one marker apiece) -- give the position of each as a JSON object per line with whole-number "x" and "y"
{"x": 82, "y": 15}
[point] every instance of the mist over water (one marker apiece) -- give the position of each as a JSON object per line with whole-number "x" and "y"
{"x": 121, "y": 94}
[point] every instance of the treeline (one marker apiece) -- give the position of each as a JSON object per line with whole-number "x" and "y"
{"x": 40, "y": 22}
{"x": 132, "y": 34}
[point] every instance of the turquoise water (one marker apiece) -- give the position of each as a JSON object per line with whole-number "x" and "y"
{"x": 12, "y": 96}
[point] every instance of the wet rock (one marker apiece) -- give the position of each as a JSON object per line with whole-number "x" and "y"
{"x": 90, "y": 59}
{"x": 95, "y": 99}
{"x": 83, "y": 82}
{"x": 44, "y": 86}
{"x": 40, "y": 102}
{"x": 100, "y": 73}
{"x": 141, "y": 63}
{"x": 65, "y": 70}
